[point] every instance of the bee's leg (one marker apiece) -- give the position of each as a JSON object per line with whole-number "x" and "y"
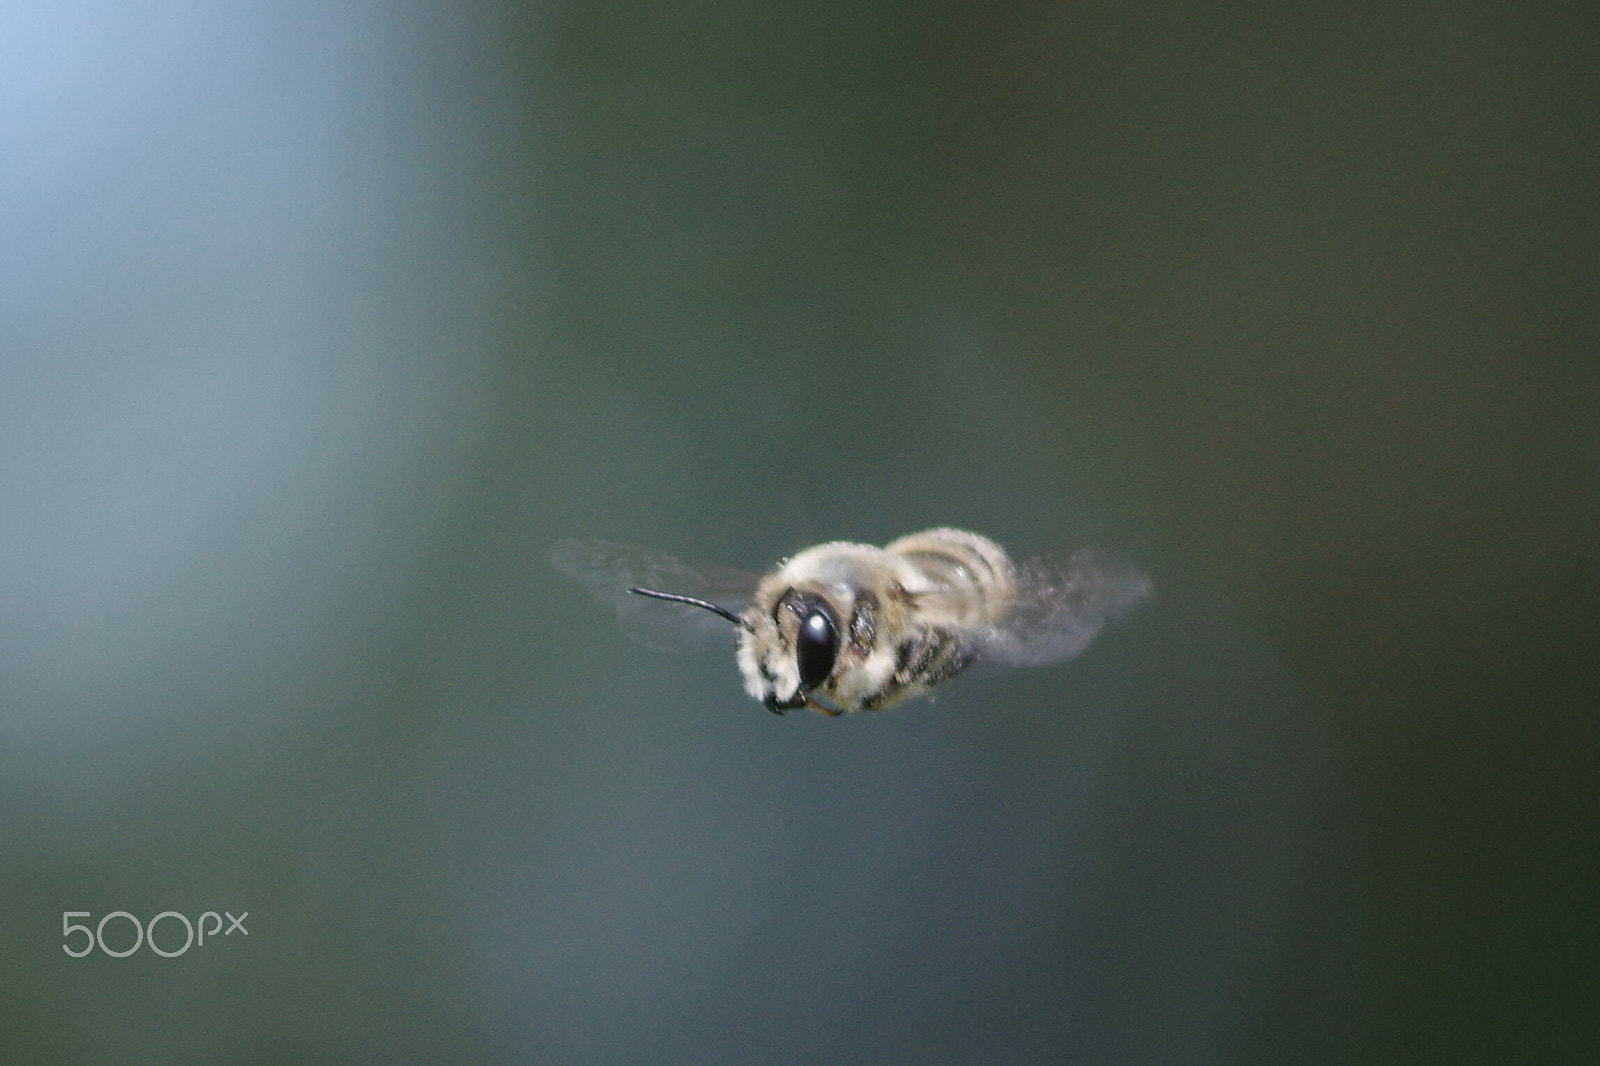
{"x": 930, "y": 659}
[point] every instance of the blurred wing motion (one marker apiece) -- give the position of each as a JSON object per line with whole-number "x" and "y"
{"x": 608, "y": 570}
{"x": 1059, "y": 607}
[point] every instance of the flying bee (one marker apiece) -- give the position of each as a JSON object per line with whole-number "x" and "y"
{"x": 851, "y": 627}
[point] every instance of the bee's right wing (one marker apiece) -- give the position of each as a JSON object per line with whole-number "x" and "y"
{"x": 1060, "y": 607}
{"x": 608, "y": 570}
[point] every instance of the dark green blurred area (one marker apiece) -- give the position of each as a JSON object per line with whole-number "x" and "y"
{"x": 322, "y": 326}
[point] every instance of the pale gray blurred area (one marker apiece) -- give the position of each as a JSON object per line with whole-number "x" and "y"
{"x": 319, "y": 324}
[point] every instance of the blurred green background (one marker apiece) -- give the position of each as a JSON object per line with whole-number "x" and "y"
{"x": 319, "y": 323}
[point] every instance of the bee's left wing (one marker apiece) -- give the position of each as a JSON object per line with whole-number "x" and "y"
{"x": 1059, "y": 607}
{"x": 608, "y": 570}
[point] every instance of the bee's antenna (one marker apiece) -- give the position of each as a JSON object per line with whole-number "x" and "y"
{"x": 673, "y": 597}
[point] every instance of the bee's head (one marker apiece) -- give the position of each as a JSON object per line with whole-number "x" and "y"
{"x": 790, "y": 651}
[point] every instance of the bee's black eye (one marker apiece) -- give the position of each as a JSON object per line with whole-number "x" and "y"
{"x": 817, "y": 644}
